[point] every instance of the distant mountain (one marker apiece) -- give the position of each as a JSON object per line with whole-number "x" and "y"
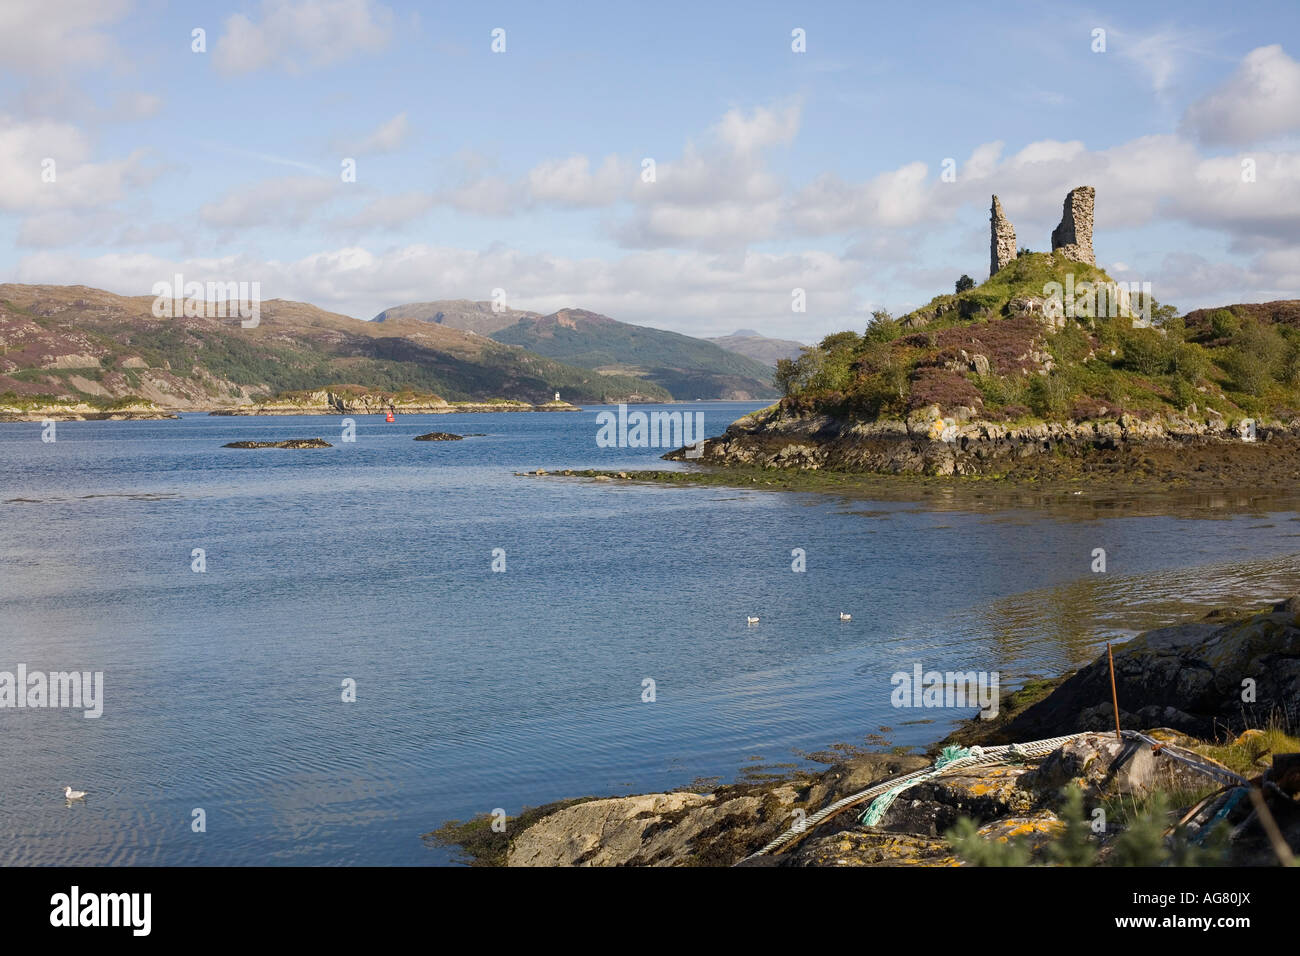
{"x": 760, "y": 348}
{"x": 458, "y": 314}
{"x": 73, "y": 343}
{"x": 688, "y": 368}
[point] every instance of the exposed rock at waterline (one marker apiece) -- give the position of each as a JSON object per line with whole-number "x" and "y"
{"x": 286, "y": 443}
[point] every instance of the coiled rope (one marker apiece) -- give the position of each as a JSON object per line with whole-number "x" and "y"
{"x": 958, "y": 758}
{"x": 953, "y": 758}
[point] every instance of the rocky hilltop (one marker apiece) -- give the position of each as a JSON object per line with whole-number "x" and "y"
{"x": 1183, "y": 683}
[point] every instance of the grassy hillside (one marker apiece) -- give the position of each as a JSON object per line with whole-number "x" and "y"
{"x": 687, "y": 367}
{"x": 989, "y": 352}
{"x": 73, "y": 343}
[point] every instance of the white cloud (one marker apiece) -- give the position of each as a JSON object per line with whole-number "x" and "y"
{"x": 37, "y": 36}
{"x": 1161, "y": 54}
{"x": 571, "y": 182}
{"x": 1259, "y": 101}
{"x": 388, "y": 212}
{"x": 286, "y": 201}
{"x": 389, "y": 136}
{"x": 764, "y": 127}
{"x": 305, "y": 34}
{"x": 78, "y": 183}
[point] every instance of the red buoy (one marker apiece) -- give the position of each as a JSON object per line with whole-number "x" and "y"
{"x": 390, "y": 418}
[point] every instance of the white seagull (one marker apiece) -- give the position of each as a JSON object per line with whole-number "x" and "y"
{"x": 74, "y": 794}
{"x": 751, "y": 620}
{"x": 845, "y": 617}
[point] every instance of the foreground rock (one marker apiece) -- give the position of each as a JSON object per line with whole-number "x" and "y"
{"x": 286, "y": 443}
{"x": 1194, "y": 677}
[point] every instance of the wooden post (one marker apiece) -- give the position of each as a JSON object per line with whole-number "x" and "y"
{"x": 1113, "y": 695}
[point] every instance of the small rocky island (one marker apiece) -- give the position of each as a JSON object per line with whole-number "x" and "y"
{"x": 439, "y": 436}
{"x": 1049, "y": 369}
{"x": 285, "y": 443}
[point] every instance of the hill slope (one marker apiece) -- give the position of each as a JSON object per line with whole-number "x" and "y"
{"x": 689, "y": 368}
{"x": 74, "y": 343}
{"x": 686, "y": 367}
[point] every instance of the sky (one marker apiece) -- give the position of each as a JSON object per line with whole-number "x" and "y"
{"x": 686, "y": 166}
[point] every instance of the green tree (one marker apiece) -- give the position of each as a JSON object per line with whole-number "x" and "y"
{"x": 964, "y": 283}
{"x": 883, "y": 327}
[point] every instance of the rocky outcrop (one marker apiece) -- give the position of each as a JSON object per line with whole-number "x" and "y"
{"x": 1201, "y": 678}
{"x": 286, "y": 443}
{"x": 1002, "y": 238}
{"x": 439, "y": 436}
{"x": 1073, "y": 237}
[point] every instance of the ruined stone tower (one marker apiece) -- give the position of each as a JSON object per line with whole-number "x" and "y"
{"x": 1073, "y": 237}
{"x": 1002, "y": 238}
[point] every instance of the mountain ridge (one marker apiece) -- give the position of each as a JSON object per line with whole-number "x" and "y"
{"x": 77, "y": 344}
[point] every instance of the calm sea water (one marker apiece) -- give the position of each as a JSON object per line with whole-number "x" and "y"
{"x": 478, "y": 690}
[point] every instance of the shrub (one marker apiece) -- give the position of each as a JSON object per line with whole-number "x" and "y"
{"x": 1189, "y": 362}
{"x": 964, "y": 283}
{"x": 1223, "y": 324}
{"x": 1048, "y": 395}
{"x": 883, "y": 327}
{"x": 942, "y": 387}
{"x": 1145, "y": 351}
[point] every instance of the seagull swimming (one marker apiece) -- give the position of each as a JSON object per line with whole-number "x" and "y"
{"x": 74, "y": 794}
{"x": 751, "y": 620}
{"x": 845, "y": 617}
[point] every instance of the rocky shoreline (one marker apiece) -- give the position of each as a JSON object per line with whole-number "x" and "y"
{"x": 1181, "y": 684}
{"x": 86, "y": 413}
{"x": 327, "y": 402}
{"x": 1175, "y": 449}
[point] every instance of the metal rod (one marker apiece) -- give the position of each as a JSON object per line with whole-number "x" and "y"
{"x": 1114, "y": 696}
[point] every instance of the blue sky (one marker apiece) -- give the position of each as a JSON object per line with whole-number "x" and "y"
{"x": 522, "y": 170}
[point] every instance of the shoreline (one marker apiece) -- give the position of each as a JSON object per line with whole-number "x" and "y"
{"x": 79, "y": 415}
{"x": 1022, "y": 799}
{"x": 1084, "y": 498}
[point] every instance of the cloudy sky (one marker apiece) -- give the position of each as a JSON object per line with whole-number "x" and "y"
{"x": 526, "y": 169}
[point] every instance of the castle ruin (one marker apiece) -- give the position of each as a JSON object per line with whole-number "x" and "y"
{"x": 1072, "y": 238}
{"x": 1002, "y": 241}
